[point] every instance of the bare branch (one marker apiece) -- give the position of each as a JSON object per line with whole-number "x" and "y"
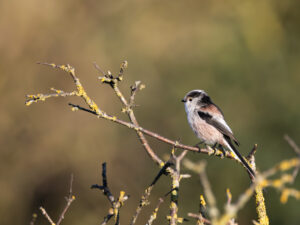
{"x": 44, "y": 212}
{"x": 154, "y": 213}
{"x": 293, "y": 145}
{"x": 104, "y": 187}
{"x": 69, "y": 200}
{"x": 199, "y": 168}
{"x": 201, "y": 220}
{"x": 176, "y": 177}
{"x": 98, "y": 68}
{"x": 229, "y": 196}
{"x": 261, "y": 210}
{"x": 261, "y": 182}
{"x": 94, "y": 109}
{"x": 114, "y": 211}
{"x": 144, "y": 199}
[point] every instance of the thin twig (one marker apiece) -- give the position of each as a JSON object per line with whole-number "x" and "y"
{"x": 69, "y": 200}
{"x": 199, "y": 168}
{"x": 229, "y": 196}
{"x": 98, "y": 68}
{"x": 201, "y": 220}
{"x": 116, "y": 204}
{"x": 292, "y": 144}
{"x": 154, "y": 213}
{"x": 44, "y": 212}
{"x": 199, "y": 217}
{"x": 145, "y": 197}
{"x": 108, "y": 217}
{"x": 295, "y": 147}
{"x": 113, "y": 82}
{"x": 176, "y": 177}
{"x": 211, "y": 200}
{"x": 104, "y": 187}
{"x": 134, "y": 89}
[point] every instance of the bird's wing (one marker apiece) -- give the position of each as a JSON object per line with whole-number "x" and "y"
{"x": 217, "y": 121}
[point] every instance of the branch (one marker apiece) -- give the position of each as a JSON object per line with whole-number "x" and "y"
{"x": 296, "y": 149}
{"x": 116, "y": 205}
{"x": 292, "y": 143}
{"x": 94, "y": 109}
{"x": 144, "y": 199}
{"x": 261, "y": 210}
{"x": 262, "y": 182}
{"x": 201, "y": 220}
{"x": 199, "y": 168}
{"x": 154, "y": 213}
{"x": 176, "y": 177}
{"x": 44, "y": 212}
{"x": 69, "y": 200}
{"x": 104, "y": 187}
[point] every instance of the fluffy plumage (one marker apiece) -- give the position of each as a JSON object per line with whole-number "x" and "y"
{"x": 207, "y": 121}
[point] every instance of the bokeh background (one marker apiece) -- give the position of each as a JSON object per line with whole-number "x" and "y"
{"x": 245, "y": 54}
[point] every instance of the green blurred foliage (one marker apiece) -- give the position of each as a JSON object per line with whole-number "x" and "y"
{"x": 245, "y": 54}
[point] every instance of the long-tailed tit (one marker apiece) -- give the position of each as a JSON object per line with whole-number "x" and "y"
{"x": 207, "y": 121}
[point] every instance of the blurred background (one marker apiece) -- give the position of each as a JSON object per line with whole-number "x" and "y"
{"x": 245, "y": 54}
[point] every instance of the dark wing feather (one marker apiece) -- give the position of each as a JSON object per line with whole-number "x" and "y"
{"x": 219, "y": 126}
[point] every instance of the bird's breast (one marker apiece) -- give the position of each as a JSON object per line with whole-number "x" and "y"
{"x": 206, "y": 132}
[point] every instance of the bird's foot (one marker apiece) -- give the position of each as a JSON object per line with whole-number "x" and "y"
{"x": 219, "y": 150}
{"x": 211, "y": 150}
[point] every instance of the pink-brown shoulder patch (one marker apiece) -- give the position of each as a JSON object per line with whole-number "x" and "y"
{"x": 212, "y": 109}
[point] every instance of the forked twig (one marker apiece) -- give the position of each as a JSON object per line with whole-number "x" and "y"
{"x": 116, "y": 204}
{"x": 69, "y": 200}
{"x": 199, "y": 168}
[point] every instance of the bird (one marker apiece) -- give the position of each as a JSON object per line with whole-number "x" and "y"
{"x": 207, "y": 121}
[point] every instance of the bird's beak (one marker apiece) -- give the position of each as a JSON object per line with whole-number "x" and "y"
{"x": 183, "y": 100}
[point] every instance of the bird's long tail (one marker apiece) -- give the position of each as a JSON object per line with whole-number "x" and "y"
{"x": 239, "y": 156}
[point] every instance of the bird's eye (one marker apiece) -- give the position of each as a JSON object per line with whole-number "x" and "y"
{"x": 190, "y": 99}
